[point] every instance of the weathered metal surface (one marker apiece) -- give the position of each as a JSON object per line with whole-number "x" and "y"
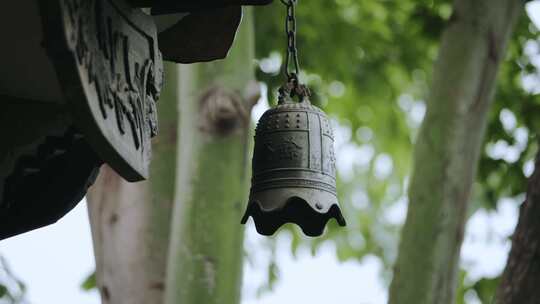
{"x": 106, "y": 56}
{"x": 293, "y": 169}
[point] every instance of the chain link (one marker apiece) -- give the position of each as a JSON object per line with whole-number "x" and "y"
{"x": 292, "y": 87}
{"x": 290, "y": 31}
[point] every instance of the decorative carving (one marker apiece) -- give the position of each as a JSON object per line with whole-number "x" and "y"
{"x": 287, "y": 149}
{"x": 111, "y": 73}
{"x": 293, "y": 170}
{"x": 58, "y": 171}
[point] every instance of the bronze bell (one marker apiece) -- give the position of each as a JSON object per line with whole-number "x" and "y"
{"x": 293, "y": 167}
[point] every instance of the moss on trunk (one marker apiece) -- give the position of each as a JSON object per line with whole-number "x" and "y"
{"x": 206, "y": 253}
{"x": 447, "y": 150}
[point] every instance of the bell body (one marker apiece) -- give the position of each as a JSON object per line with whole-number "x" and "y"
{"x": 293, "y": 170}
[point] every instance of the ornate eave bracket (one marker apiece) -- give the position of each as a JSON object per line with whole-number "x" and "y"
{"x": 110, "y": 70}
{"x": 204, "y": 29}
{"x": 184, "y": 6}
{"x": 80, "y": 85}
{"x": 107, "y": 55}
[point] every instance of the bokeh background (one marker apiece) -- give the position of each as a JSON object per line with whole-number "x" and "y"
{"x": 376, "y": 108}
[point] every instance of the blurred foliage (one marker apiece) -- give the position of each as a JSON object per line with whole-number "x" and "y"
{"x": 12, "y": 291}
{"x": 90, "y": 282}
{"x": 482, "y": 290}
{"x": 369, "y": 64}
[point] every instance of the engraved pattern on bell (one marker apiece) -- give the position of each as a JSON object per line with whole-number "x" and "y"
{"x": 293, "y": 170}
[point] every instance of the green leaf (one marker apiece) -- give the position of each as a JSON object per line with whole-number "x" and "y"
{"x": 90, "y": 282}
{"x": 485, "y": 289}
{"x": 3, "y": 291}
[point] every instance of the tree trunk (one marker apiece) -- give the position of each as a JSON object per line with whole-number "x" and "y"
{"x": 447, "y": 150}
{"x": 521, "y": 277}
{"x": 206, "y": 252}
{"x": 131, "y": 221}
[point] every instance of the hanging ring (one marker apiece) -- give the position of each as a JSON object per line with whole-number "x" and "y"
{"x": 289, "y": 2}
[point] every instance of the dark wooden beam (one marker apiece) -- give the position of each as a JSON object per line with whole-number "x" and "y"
{"x": 178, "y": 6}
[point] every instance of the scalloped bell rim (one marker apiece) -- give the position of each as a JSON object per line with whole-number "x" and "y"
{"x": 294, "y": 210}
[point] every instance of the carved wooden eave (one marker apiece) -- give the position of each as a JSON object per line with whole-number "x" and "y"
{"x": 110, "y": 69}
{"x": 177, "y": 6}
{"x": 79, "y": 86}
{"x": 195, "y": 31}
{"x": 200, "y": 36}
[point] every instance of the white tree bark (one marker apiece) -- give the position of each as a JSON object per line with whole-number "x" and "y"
{"x": 131, "y": 221}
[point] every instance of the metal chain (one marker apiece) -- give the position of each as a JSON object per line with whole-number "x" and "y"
{"x": 292, "y": 87}
{"x": 290, "y": 31}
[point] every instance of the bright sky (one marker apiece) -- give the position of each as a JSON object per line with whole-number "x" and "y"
{"x": 53, "y": 261}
